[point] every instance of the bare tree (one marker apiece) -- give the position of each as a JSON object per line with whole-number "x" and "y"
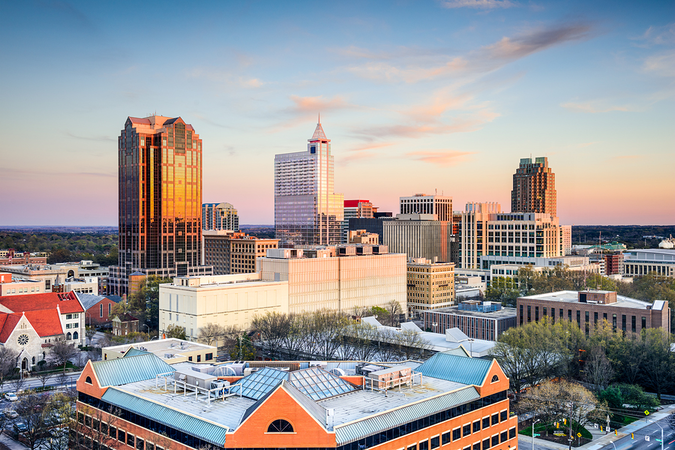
{"x": 412, "y": 344}
{"x": 17, "y": 384}
{"x": 61, "y": 352}
{"x": 598, "y": 369}
{"x": 209, "y": 333}
{"x": 43, "y": 377}
{"x": 33, "y": 411}
{"x": 95, "y": 428}
{"x": 395, "y": 311}
{"x": 7, "y": 363}
{"x": 90, "y": 332}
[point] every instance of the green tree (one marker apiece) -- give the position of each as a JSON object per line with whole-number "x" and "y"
{"x": 175, "y": 331}
{"x": 504, "y": 290}
{"x": 243, "y": 349}
{"x": 145, "y": 303}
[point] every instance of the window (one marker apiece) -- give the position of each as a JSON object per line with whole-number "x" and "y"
{"x": 632, "y": 324}
{"x": 121, "y": 435}
{"x": 504, "y": 436}
{"x": 495, "y": 440}
{"x": 76, "y": 335}
{"x": 199, "y": 358}
{"x": 412, "y": 447}
{"x": 644, "y": 322}
{"x": 486, "y": 444}
{"x": 88, "y": 380}
{"x": 476, "y": 446}
{"x": 139, "y": 444}
{"x": 503, "y": 415}
{"x": 495, "y": 378}
{"x": 495, "y": 419}
{"x": 435, "y": 442}
{"x": 95, "y": 424}
{"x": 476, "y": 426}
{"x": 109, "y": 308}
{"x": 87, "y": 421}
{"x": 456, "y": 434}
{"x": 112, "y": 432}
{"x": 130, "y": 440}
{"x": 445, "y": 438}
{"x": 69, "y": 316}
{"x": 149, "y": 446}
{"x": 486, "y": 422}
{"x": 466, "y": 430}
{"x": 512, "y": 433}
{"x": 424, "y": 445}
{"x": 100, "y": 310}
{"x": 208, "y": 357}
{"x": 280, "y": 426}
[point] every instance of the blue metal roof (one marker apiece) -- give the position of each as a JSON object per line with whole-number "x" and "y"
{"x": 116, "y": 372}
{"x": 194, "y": 426}
{"x": 133, "y": 351}
{"x": 456, "y": 368}
{"x": 375, "y": 424}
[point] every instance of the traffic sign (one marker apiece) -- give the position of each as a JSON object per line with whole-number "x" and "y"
{"x": 658, "y": 440}
{"x": 647, "y": 438}
{"x": 578, "y": 434}
{"x": 632, "y": 435}
{"x": 536, "y": 434}
{"x": 646, "y": 412}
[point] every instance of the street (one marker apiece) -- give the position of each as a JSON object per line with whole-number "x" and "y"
{"x": 32, "y": 383}
{"x": 654, "y": 433}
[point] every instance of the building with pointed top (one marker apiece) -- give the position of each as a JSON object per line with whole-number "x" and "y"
{"x": 306, "y": 209}
{"x": 160, "y": 200}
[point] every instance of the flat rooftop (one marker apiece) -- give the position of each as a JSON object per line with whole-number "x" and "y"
{"x": 161, "y": 347}
{"x": 573, "y": 297}
{"x": 503, "y": 313}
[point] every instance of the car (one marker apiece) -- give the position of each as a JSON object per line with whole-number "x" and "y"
{"x": 20, "y": 427}
{"x": 11, "y": 396}
{"x": 10, "y": 414}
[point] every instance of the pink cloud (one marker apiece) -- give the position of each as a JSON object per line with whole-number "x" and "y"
{"x": 440, "y": 157}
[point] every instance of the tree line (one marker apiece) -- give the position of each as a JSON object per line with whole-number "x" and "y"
{"x": 100, "y": 247}
{"x": 539, "y": 351}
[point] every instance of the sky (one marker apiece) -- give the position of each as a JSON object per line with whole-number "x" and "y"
{"x": 420, "y": 96}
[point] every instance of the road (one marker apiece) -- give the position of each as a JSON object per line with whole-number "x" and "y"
{"x": 654, "y": 433}
{"x": 32, "y": 383}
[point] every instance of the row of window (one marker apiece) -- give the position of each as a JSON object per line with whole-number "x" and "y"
{"x": 596, "y": 317}
{"x": 444, "y": 439}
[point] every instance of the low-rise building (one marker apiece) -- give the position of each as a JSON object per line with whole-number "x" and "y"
{"x": 124, "y": 324}
{"x": 363, "y": 237}
{"x": 476, "y": 319}
{"x": 227, "y": 300}
{"x": 10, "y": 257}
{"x": 590, "y": 308}
{"x": 98, "y": 308}
{"x": 430, "y": 285}
{"x": 10, "y": 286}
{"x": 450, "y": 400}
{"x": 649, "y": 261}
{"x": 171, "y": 351}
{"x": 31, "y": 324}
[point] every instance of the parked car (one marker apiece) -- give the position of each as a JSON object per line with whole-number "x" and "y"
{"x": 11, "y": 414}
{"x": 20, "y": 427}
{"x": 11, "y": 396}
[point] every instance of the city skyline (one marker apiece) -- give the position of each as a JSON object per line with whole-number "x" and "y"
{"x": 438, "y": 97}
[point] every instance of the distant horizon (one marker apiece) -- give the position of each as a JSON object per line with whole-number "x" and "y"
{"x": 6, "y": 227}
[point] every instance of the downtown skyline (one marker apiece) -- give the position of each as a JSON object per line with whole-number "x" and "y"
{"x": 416, "y": 97}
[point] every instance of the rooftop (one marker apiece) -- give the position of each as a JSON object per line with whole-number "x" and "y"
{"x": 161, "y": 347}
{"x": 573, "y": 297}
{"x": 500, "y": 314}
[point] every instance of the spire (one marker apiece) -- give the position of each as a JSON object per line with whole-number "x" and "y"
{"x": 319, "y": 134}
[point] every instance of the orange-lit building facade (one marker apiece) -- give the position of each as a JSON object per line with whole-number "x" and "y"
{"x": 449, "y": 402}
{"x": 534, "y": 188}
{"x": 160, "y": 200}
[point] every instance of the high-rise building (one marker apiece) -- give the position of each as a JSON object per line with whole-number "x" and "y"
{"x": 428, "y": 204}
{"x": 419, "y": 236}
{"x": 473, "y": 233}
{"x": 160, "y": 199}
{"x": 534, "y": 188}
{"x": 306, "y": 209}
{"x": 229, "y": 252}
{"x": 355, "y": 209}
{"x": 219, "y": 216}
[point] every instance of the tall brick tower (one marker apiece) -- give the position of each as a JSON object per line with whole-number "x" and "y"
{"x": 534, "y": 188}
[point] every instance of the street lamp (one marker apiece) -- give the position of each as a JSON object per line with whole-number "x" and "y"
{"x": 435, "y": 324}
{"x": 533, "y": 422}
{"x": 655, "y": 422}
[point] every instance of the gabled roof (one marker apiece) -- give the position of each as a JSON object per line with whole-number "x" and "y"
{"x": 67, "y": 302}
{"x": 187, "y": 423}
{"x": 9, "y": 322}
{"x": 116, "y": 372}
{"x": 456, "y": 368}
{"x": 45, "y": 323}
{"x": 88, "y": 301}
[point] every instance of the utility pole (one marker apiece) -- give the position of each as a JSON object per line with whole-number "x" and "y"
{"x": 533, "y": 422}
{"x": 655, "y": 422}
{"x": 569, "y": 427}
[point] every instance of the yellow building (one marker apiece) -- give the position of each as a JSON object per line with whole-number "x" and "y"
{"x": 430, "y": 285}
{"x": 171, "y": 350}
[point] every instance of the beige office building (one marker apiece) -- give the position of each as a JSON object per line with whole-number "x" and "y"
{"x": 430, "y": 285}
{"x": 229, "y": 252}
{"x": 419, "y": 236}
{"x": 473, "y": 234}
{"x": 342, "y": 278}
{"x": 228, "y": 300}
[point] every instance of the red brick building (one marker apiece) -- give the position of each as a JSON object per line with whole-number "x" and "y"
{"x": 98, "y": 308}
{"x": 451, "y": 401}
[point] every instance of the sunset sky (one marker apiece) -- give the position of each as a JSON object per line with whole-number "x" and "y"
{"x": 416, "y": 96}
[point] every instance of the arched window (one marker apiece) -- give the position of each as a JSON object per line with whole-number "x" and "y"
{"x": 33, "y": 360}
{"x": 76, "y": 335}
{"x": 69, "y": 336}
{"x": 88, "y": 380}
{"x": 280, "y": 426}
{"x": 495, "y": 378}
{"x": 44, "y": 355}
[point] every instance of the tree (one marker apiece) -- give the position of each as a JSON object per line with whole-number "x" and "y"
{"x": 93, "y": 427}
{"x": 273, "y": 327}
{"x": 145, "y": 303}
{"x": 504, "y": 290}
{"x": 7, "y": 363}
{"x": 658, "y": 364}
{"x": 90, "y": 332}
{"x": 598, "y": 369}
{"x": 175, "y": 331}
{"x": 244, "y": 349}
{"x": 61, "y": 352}
{"x": 43, "y": 377}
{"x": 60, "y": 415}
{"x": 394, "y": 310}
{"x": 558, "y": 400}
{"x": 33, "y": 411}
{"x": 209, "y": 333}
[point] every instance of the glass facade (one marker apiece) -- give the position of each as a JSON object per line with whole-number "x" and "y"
{"x": 306, "y": 209}
{"x": 160, "y": 192}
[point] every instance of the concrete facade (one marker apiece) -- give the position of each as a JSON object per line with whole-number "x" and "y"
{"x": 439, "y": 205}
{"x": 228, "y": 252}
{"x": 473, "y": 233}
{"x": 655, "y": 261}
{"x": 475, "y": 319}
{"x": 419, "y": 236}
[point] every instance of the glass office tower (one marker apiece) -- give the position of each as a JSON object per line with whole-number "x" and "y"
{"x": 160, "y": 200}
{"x": 306, "y": 210}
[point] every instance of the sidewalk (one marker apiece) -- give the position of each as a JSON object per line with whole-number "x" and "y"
{"x": 600, "y": 439}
